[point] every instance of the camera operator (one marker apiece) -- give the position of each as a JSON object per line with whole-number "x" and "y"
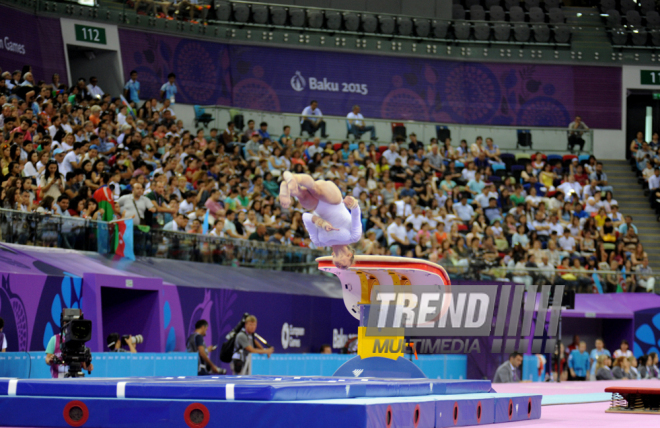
{"x": 115, "y": 343}
{"x": 245, "y": 345}
{"x": 53, "y": 353}
{"x": 195, "y": 343}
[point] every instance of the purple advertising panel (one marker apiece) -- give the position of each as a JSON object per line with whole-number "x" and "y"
{"x": 286, "y": 80}
{"x": 21, "y": 43}
{"x": 202, "y": 68}
{"x": 424, "y": 89}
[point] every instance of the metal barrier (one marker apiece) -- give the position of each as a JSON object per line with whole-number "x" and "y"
{"x": 41, "y": 230}
{"x": 546, "y": 140}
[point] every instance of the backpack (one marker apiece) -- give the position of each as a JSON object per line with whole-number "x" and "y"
{"x": 227, "y": 349}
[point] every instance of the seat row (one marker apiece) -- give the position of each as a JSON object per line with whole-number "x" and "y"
{"x": 515, "y": 14}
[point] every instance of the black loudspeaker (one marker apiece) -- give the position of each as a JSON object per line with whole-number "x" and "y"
{"x": 442, "y": 133}
{"x": 239, "y": 122}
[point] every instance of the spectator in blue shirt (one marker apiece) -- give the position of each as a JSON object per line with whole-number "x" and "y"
{"x": 623, "y": 229}
{"x": 578, "y": 362}
{"x": 595, "y": 353}
{"x": 168, "y": 90}
{"x": 132, "y": 88}
{"x": 263, "y": 131}
{"x": 407, "y": 189}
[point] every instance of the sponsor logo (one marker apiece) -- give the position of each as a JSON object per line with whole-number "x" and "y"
{"x": 357, "y": 372}
{"x": 339, "y": 339}
{"x": 298, "y": 82}
{"x": 9, "y": 46}
{"x": 291, "y": 336}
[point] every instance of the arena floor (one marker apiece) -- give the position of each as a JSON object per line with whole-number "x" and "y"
{"x": 588, "y": 408}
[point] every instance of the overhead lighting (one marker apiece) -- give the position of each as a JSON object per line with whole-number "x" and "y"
{"x": 579, "y": 14}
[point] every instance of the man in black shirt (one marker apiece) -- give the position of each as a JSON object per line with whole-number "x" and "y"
{"x": 196, "y": 343}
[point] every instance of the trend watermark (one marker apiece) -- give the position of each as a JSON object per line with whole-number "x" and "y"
{"x": 462, "y": 317}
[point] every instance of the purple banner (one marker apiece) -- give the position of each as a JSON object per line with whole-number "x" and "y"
{"x": 428, "y": 90}
{"x": 202, "y": 68}
{"x": 21, "y": 43}
{"x": 285, "y": 80}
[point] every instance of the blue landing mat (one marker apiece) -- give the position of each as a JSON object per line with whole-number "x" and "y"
{"x": 431, "y": 411}
{"x": 259, "y": 388}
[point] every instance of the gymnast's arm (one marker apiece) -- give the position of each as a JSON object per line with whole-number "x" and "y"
{"x": 356, "y": 223}
{"x": 312, "y": 229}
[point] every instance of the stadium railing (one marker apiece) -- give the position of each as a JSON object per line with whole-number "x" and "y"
{"x": 34, "y": 229}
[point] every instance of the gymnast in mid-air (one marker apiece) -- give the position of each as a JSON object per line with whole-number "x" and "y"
{"x": 331, "y": 224}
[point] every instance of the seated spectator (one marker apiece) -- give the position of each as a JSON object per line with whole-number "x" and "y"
{"x": 603, "y": 371}
{"x": 621, "y": 369}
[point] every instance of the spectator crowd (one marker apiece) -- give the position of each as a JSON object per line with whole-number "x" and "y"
{"x": 80, "y": 152}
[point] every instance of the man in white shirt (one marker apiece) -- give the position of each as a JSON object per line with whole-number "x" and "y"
{"x": 72, "y": 159}
{"x": 567, "y": 242}
{"x": 463, "y": 210}
{"x": 178, "y": 224}
{"x": 541, "y": 226}
{"x": 570, "y": 187}
{"x": 94, "y": 89}
{"x": 483, "y": 198}
{"x": 403, "y": 208}
{"x": 356, "y": 124}
{"x": 654, "y": 180}
{"x": 396, "y": 233}
{"x": 555, "y": 226}
{"x": 316, "y": 148}
{"x": 312, "y": 120}
{"x": 391, "y": 154}
{"x": 416, "y": 219}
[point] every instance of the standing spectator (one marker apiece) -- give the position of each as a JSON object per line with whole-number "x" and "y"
{"x": 3, "y": 339}
{"x": 357, "y": 126}
{"x": 132, "y": 88}
{"x": 168, "y": 90}
{"x": 596, "y": 354}
{"x": 624, "y": 350}
{"x": 245, "y": 345}
{"x": 135, "y": 205}
{"x": 507, "y": 372}
{"x": 312, "y": 120}
{"x": 195, "y": 343}
{"x": 578, "y": 362}
{"x": 574, "y": 135}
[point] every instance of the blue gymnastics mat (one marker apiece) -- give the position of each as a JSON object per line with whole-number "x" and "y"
{"x": 258, "y": 402}
{"x": 261, "y": 388}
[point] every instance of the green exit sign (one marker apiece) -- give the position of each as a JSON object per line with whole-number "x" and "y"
{"x": 89, "y": 34}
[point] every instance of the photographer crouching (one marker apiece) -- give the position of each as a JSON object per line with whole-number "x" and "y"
{"x": 116, "y": 343}
{"x": 66, "y": 353}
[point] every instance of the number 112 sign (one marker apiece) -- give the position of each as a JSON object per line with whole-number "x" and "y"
{"x": 650, "y": 77}
{"x": 89, "y": 34}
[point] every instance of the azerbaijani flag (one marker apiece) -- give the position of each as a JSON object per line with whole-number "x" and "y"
{"x": 103, "y": 197}
{"x": 124, "y": 238}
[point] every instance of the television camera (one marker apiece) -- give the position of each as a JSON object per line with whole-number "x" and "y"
{"x": 75, "y": 332}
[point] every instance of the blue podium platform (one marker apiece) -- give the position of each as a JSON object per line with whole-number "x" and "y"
{"x": 258, "y": 401}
